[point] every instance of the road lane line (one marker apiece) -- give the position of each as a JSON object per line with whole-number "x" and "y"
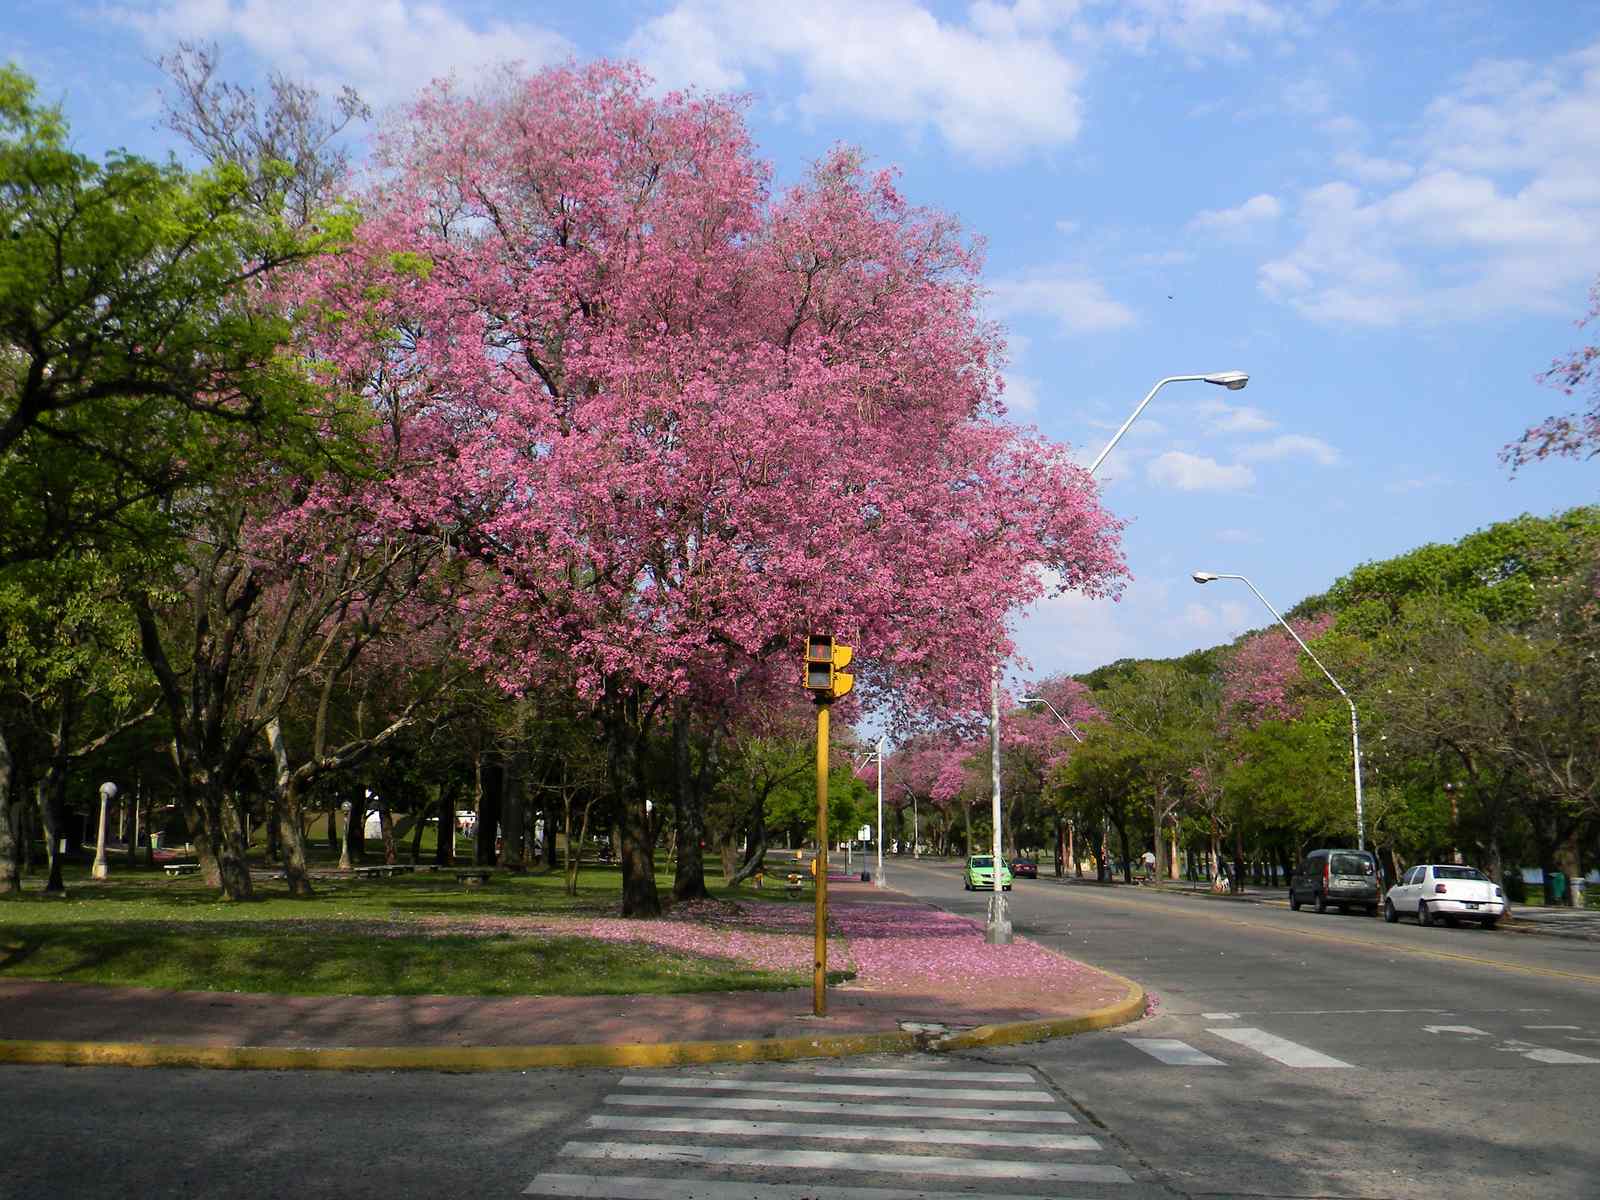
{"x": 1174, "y": 1053}
{"x": 699, "y": 1082}
{"x": 655, "y": 1187}
{"x": 846, "y": 1160}
{"x": 921, "y": 1111}
{"x": 1557, "y": 1056}
{"x": 1059, "y": 1142}
{"x": 1290, "y": 1054}
{"x": 1467, "y": 1029}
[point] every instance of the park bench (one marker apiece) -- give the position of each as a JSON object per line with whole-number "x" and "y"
{"x": 384, "y": 870}
{"x": 474, "y": 876}
{"x": 793, "y": 884}
{"x": 176, "y": 869}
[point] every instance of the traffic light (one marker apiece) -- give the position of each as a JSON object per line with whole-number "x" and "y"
{"x": 826, "y": 659}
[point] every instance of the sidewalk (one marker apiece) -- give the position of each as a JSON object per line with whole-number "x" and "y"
{"x": 926, "y": 980}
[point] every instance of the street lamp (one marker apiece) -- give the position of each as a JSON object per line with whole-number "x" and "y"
{"x": 998, "y": 930}
{"x": 877, "y": 754}
{"x": 1355, "y": 729}
{"x": 108, "y": 793}
{"x": 1060, "y": 845}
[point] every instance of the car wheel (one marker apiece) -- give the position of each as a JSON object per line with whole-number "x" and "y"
{"x": 966, "y": 885}
{"x": 1389, "y": 913}
{"x": 1372, "y": 910}
{"x": 1322, "y": 903}
{"x": 1424, "y": 917}
{"x": 1451, "y": 922}
{"x": 1006, "y": 887}
{"x": 1491, "y": 922}
{"x": 1294, "y": 902}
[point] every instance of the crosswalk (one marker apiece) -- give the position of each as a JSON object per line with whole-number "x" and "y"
{"x": 833, "y": 1132}
{"x": 1175, "y": 1052}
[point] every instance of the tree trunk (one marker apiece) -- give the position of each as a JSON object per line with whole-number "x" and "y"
{"x": 966, "y": 816}
{"x": 386, "y": 828}
{"x": 514, "y": 851}
{"x": 416, "y": 833}
{"x": 1238, "y": 859}
{"x": 291, "y": 831}
{"x": 1567, "y": 860}
{"x": 689, "y": 879}
{"x": 232, "y": 852}
{"x": 10, "y": 833}
{"x": 632, "y": 826}
{"x": 491, "y": 789}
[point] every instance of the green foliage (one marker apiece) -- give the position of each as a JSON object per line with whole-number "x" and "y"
{"x": 1495, "y": 572}
{"x": 142, "y": 349}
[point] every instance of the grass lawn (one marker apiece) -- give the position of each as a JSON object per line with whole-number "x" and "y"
{"x": 408, "y": 935}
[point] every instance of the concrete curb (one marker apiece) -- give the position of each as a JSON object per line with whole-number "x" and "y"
{"x": 462, "y": 1059}
{"x": 453, "y": 1059}
{"x": 1129, "y": 1008}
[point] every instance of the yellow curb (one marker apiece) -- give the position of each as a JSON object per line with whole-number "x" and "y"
{"x": 1010, "y": 1033}
{"x": 449, "y": 1058}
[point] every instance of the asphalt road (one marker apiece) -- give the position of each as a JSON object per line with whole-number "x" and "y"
{"x": 1297, "y": 1055}
{"x": 1290, "y": 1055}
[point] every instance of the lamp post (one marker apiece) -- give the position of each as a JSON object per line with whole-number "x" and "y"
{"x": 998, "y": 930}
{"x": 108, "y": 793}
{"x": 1355, "y": 729}
{"x": 1075, "y": 737}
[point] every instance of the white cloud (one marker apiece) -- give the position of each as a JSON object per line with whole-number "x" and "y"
{"x": 1077, "y": 304}
{"x": 1291, "y": 445}
{"x": 1197, "y": 473}
{"x": 1253, "y": 212}
{"x": 1067, "y": 228}
{"x": 1223, "y": 417}
{"x": 1400, "y": 487}
{"x": 1202, "y": 28}
{"x": 1501, "y": 212}
{"x": 386, "y": 50}
{"x": 1238, "y": 537}
{"x": 994, "y": 88}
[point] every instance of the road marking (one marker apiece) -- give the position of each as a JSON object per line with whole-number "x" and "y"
{"x": 1220, "y": 1016}
{"x": 1558, "y": 1056}
{"x": 742, "y": 1104}
{"x": 655, "y": 1187}
{"x": 1552, "y": 1026}
{"x": 846, "y": 1160}
{"x": 942, "y": 1076}
{"x": 1290, "y": 1054}
{"x": 1174, "y": 1053}
{"x": 1010, "y": 1096}
{"x": 1467, "y": 1029}
{"x": 1060, "y": 1142}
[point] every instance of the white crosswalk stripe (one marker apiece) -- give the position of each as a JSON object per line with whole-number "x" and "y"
{"x": 1279, "y": 1049}
{"x": 846, "y": 1133}
{"x": 702, "y": 1083}
{"x": 1032, "y": 1116}
{"x": 880, "y": 1133}
{"x": 1174, "y": 1053}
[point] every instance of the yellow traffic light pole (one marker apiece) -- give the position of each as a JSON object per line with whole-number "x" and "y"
{"x": 819, "y": 976}
{"x": 824, "y": 677}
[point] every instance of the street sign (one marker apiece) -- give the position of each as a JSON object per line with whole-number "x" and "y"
{"x": 864, "y": 834}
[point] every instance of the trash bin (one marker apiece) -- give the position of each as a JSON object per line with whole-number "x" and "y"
{"x": 866, "y": 877}
{"x": 1558, "y": 885}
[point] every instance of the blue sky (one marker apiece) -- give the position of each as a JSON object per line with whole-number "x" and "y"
{"x": 1388, "y": 213}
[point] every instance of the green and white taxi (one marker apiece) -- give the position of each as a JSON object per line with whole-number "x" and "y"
{"x": 980, "y": 874}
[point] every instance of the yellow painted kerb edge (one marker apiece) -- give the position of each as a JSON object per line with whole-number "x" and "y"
{"x": 1130, "y": 1007}
{"x": 596, "y": 1055}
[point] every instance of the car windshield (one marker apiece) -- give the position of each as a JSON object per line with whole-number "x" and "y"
{"x": 985, "y": 861}
{"x": 1351, "y": 864}
{"x": 1459, "y": 873}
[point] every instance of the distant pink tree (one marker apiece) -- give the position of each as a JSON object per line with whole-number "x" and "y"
{"x": 673, "y": 422}
{"x": 1261, "y": 678}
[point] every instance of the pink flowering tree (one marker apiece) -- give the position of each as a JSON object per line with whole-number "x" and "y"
{"x": 1576, "y": 434}
{"x": 1263, "y": 677}
{"x": 678, "y": 422}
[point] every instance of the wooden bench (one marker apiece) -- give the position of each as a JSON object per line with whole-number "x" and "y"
{"x": 793, "y": 886}
{"x": 176, "y": 869}
{"x": 474, "y": 876}
{"x": 383, "y": 871}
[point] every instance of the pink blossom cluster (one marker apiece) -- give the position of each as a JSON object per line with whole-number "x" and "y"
{"x": 1260, "y": 680}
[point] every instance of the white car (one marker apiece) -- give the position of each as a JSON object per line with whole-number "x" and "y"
{"x": 1444, "y": 891}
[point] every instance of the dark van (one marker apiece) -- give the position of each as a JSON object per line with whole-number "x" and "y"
{"x": 1342, "y": 879}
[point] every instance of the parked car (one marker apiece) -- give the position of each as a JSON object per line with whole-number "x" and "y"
{"x": 1025, "y": 868}
{"x": 980, "y": 874}
{"x": 1342, "y": 879}
{"x": 1436, "y": 891}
